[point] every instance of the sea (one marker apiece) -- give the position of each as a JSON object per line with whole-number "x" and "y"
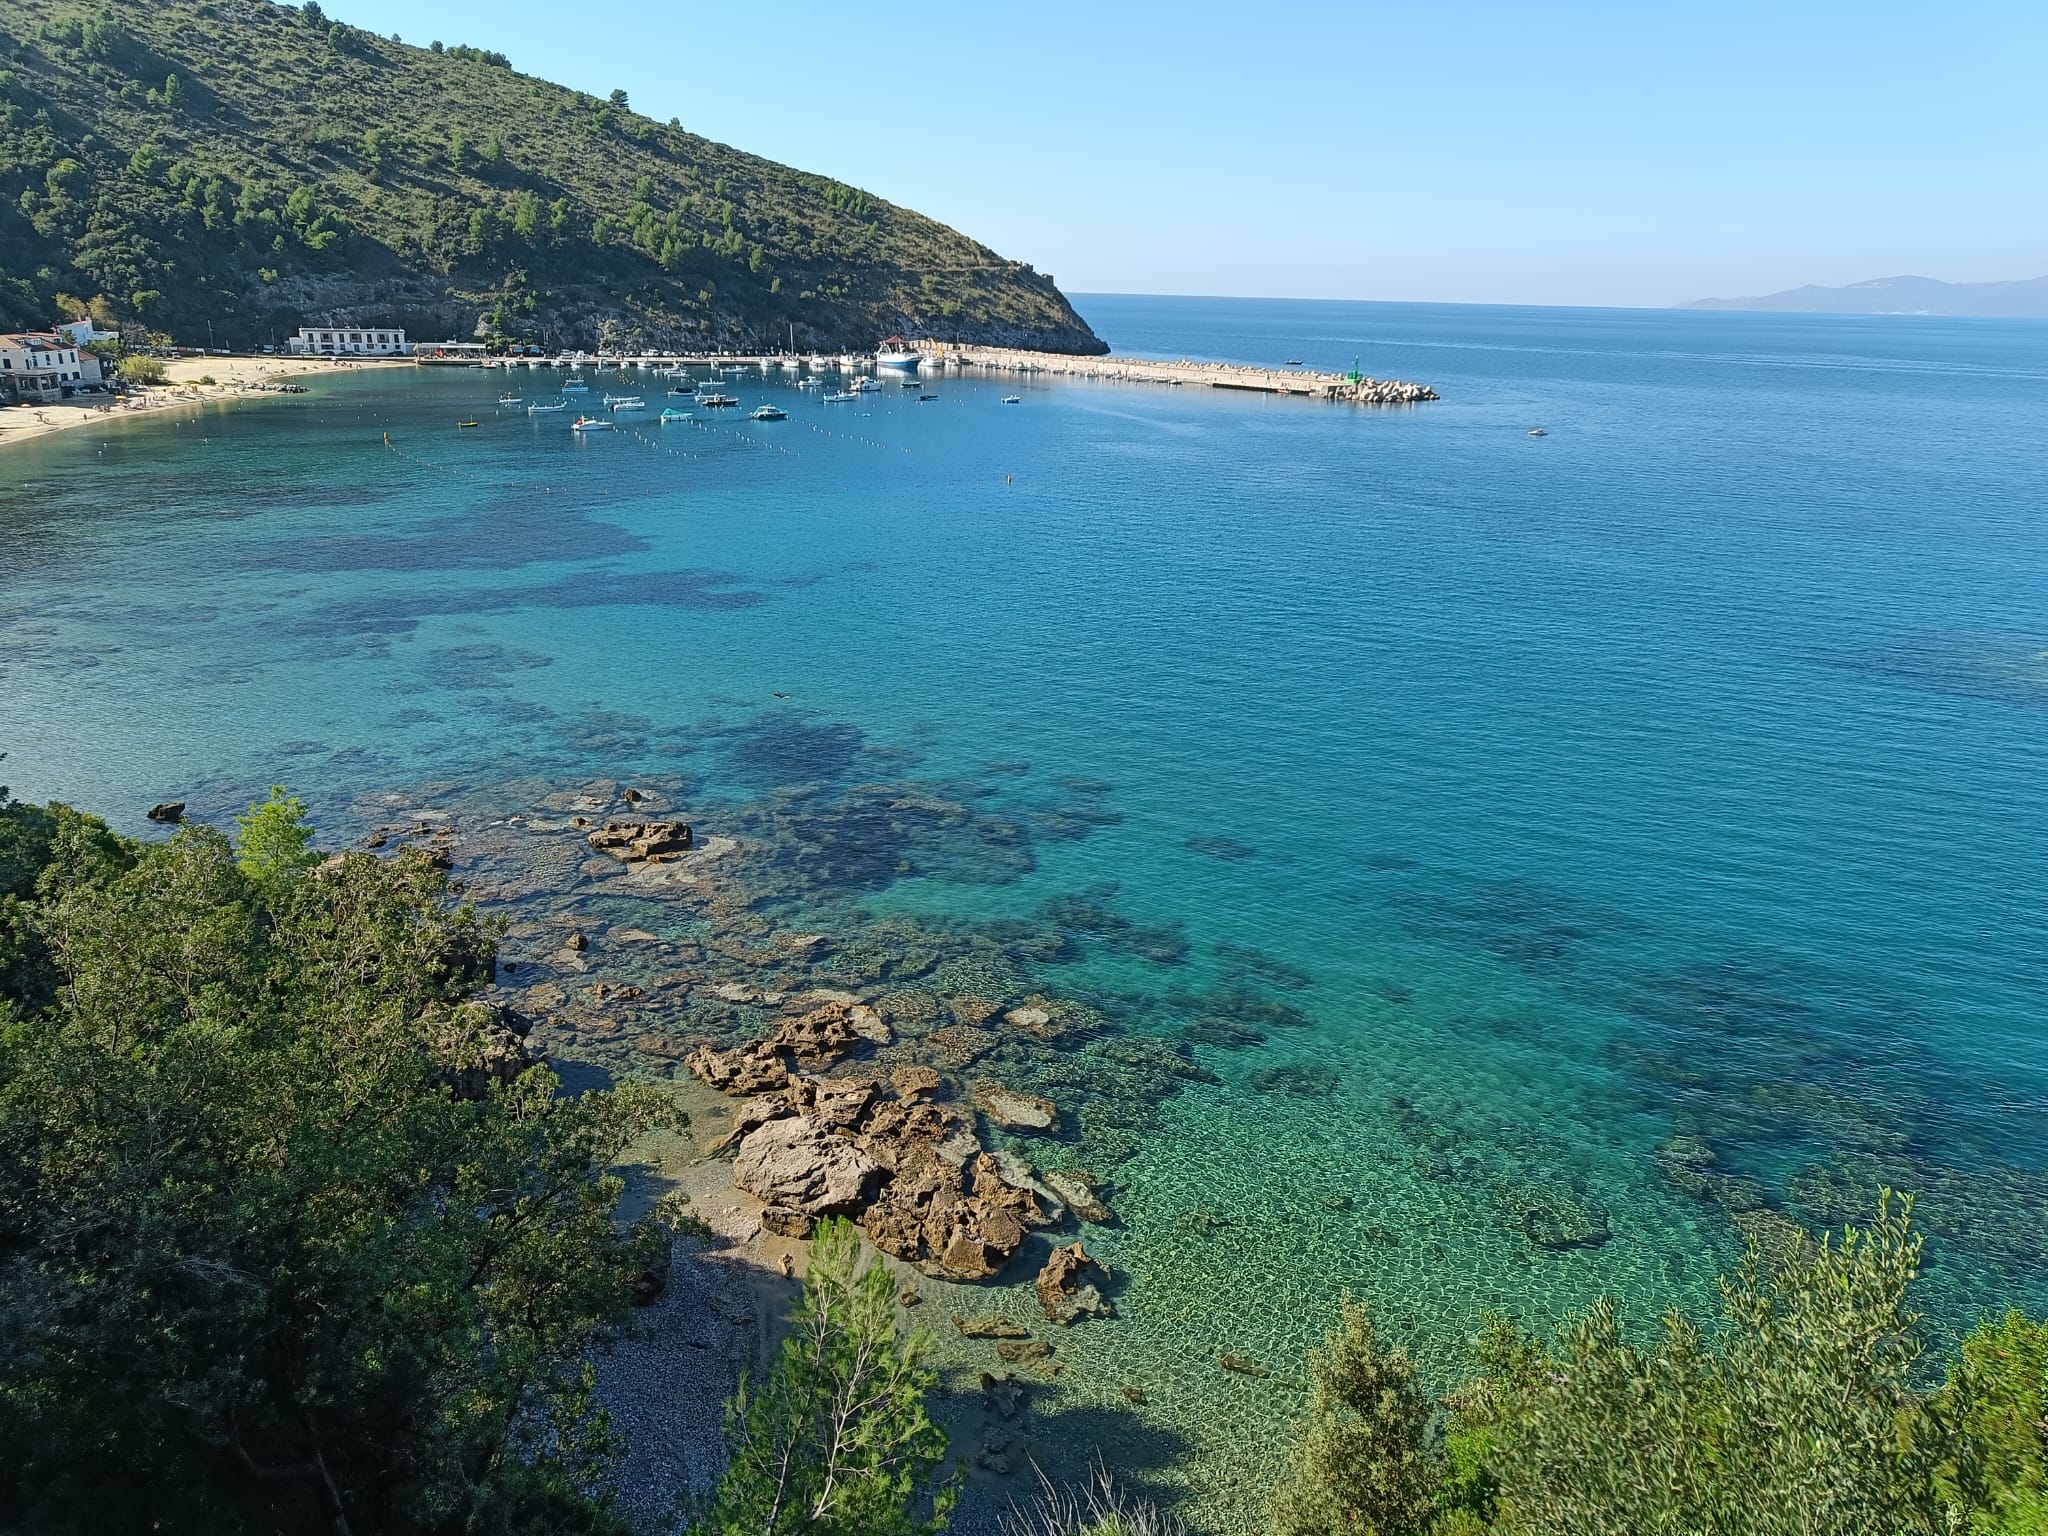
{"x": 1555, "y": 858}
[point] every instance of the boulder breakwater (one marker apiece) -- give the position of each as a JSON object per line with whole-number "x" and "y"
{"x": 1356, "y": 389}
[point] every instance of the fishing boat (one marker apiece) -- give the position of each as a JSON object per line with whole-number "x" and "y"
{"x": 624, "y": 403}
{"x": 820, "y": 361}
{"x": 575, "y": 387}
{"x": 715, "y": 401}
{"x": 838, "y": 397}
{"x": 590, "y": 424}
{"x": 1013, "y": 399}
{"x": 508, "y": 399}
{"x": 768, "y": 413}
{"x": 866, "y": 386}
{"x": 672, "y": 414}
{"x": 848, "y": 360}
{"x": 895, "y": 353}
{"x": 537, "y": 409}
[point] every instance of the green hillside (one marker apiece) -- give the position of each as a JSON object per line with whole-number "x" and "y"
{"x": 250, "y": 167}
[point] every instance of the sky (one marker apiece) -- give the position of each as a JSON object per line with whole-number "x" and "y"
{"x": 1577, "y": 153}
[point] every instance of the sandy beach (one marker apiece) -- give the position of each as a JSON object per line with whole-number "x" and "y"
{"x": 235, "y": 377}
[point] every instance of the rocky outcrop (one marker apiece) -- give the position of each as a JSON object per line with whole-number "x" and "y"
{"x": 637, "y": 842}
{"x": 799, "y": 1164}
{"x": 953, "y": 1222}
{"x": 1079, "y": 1192}
{"x": 167, "y": 813}
{"x": 1062, "y": 1293}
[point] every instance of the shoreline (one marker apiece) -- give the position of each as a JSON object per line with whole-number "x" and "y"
{"x": 239, "y": 378}
{"x": 1249, "y": 378}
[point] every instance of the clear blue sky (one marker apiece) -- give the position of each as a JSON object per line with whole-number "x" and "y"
{"x": 1638, "y": 153}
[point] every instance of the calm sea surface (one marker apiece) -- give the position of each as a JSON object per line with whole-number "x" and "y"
{"x": 1589, "y": 838}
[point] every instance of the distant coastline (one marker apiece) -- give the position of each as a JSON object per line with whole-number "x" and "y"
{"x": 2026, "y": 299}
{"x": 237, "y": 378}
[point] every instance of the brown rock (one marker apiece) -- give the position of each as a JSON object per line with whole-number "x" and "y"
{"x": 992, "y": 1325}
{"x": 577, "y": 942}
{"x": 835, "y": 1102}
{"x": 1060, "y": 1292}
{"x": 954, "y": 1223}
{"x": 819, "y": 1037}
{"x": 799, "y": 1164}
{"x": 1134, "y": 1395}
{"x": 635, "y": 842}
{"x": 1243, "y": 1365}
{"x": 744, "y": 1069}
{"x": 1013, "y": 1111}
{"x": 168, "y": 813}
{"x": 751, "y": 1116}
{"x": 908, "y": 1296}
{"x": 784, "y": 1222}
{"x": 1018, "y": 1350}
{"x": 915, "y": 1083}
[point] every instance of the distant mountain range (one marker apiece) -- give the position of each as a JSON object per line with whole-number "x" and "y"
{"x": 2026, "y": 299}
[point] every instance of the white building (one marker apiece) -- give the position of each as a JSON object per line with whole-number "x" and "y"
{"x": 40, "y": 365}
{"x": 83, "y": 333}
{"x": 349, "y": 341}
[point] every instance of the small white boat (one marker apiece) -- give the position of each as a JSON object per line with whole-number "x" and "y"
{"x": 848, "y": 360}
{"x": 672, "y": 414}
{"x": 537, "y": 409}
{"x": 768, "y": 413}
{"x": 590, "y": 424}
{"x": 866, "y": 386}
{"x": 838, "y": 396}
{"x": 820, "y": 361}
{"x": 575, "y": 387}
{"x": 508, "y": 399}
{"x": 1012, "y": 399}
{"x": 624, "y": 403}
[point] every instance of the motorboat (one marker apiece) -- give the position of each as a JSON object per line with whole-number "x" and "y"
{"x": 672, "y": 414}
{"x": 866, "y": 386}
{"x": 715, "y": 401}
{"x": 768, "y": 413}
{"x": 508, "y": 399}
{"x": 575, "y": 387}
{"x": 838, "y": 397}
{"x": 590, "y": 424}
{"x": 537, "y": 409}
{"x": 1013, "y": 399}
{"x": 922, "y": 398}
{"x": 1539, "y": 432}
{"x": 820, "y": 361}
{"x": 624, "y": 403}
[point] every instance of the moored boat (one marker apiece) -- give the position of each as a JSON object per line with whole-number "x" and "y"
{"x": 624, "y": 403}
{"x": 575, "y": 387}
{"x": 1012, "y": 399}
{"x": 716, "y": 400}
{"x": 839, "y": 396}
{"x": 537, "y": 409}
{"x": 895, "y": 353}
{"x": 590, "y": 424}
{"x": 672, "y": 414}
{"x": 768, "y": 413}
{"x": 508, "y": 399}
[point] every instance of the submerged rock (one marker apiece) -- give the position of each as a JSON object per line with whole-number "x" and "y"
{"x": 1078, "y": 1190}
{"x": 1061, "y": 1293}
{"x": 1013, "y": 1111}
{"x": 991, "y": 1326}
{"x": 635, "y": 842}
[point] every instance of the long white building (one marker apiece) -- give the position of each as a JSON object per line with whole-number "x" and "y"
{"x": 349, "y": 341}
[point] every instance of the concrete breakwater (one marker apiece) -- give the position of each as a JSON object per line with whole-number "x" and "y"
{"x": 1267, "y": 381}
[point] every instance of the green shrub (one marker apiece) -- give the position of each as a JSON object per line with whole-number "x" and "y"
{"x": 836, "y": 1441}
{"x": 1366, "y": 1461}
{"x": 142, "y": 370}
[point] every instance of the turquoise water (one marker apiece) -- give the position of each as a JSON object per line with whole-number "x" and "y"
{"x": 1488, "y": 809}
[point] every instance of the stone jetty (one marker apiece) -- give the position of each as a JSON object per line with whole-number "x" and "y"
{"x": 1264, "y": 381}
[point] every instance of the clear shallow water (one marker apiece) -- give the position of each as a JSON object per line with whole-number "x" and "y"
{"x": 1675, "y": 774}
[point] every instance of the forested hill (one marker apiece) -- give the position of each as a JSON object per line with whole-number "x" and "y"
{"x": 254, "y": 167}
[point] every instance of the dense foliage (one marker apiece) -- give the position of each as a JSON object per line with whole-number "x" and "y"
{"x": 247, "y": 167}
{"x": 289, "y": 1239}
{"x": 836, "y": 1440}
{"x": 1806, "y": 1412}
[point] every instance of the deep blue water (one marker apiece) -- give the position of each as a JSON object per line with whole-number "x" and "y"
{"x": 1677, "y": 772}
